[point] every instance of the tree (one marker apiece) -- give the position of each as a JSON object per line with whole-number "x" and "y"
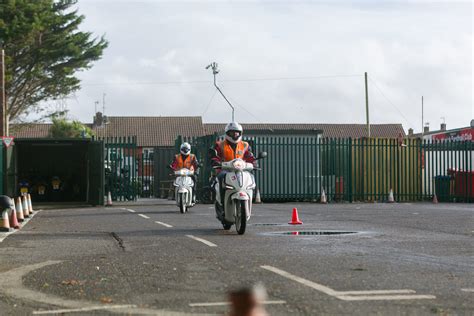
{"x": 61, "y": 128}
{"x": 44, "y": 49}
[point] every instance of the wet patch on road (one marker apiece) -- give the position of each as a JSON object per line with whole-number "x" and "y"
{"x": 268, "y": 224}
{"x": 312, "y": 233}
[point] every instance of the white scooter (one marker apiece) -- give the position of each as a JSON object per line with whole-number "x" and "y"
{"x": 184, "y": 189}
{"x": 239, "y": 184}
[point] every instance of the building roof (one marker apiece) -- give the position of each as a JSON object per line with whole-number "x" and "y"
{"x": 30, "y": 130}
{"x": 163, "y": 131}
{"x": 328, "y": 130}
{"x": 151, "y": 131}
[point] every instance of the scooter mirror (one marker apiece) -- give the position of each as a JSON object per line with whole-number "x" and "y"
{"x": 261, "y": 155}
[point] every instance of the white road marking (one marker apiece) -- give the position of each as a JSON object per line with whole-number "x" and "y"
{"x": 386, "y": 297}
{"x": 11, "y": 285}
{"x": 372, "y": 295}
{"x": 316, "y": 286}
{"x": 84, "y": 309}
{"x": 468, "y": 290}
{"x": 5, "y": 235}
{"x": 227, "y": 303}
{"x": 376, "y": 292}
{"x": 144, "y": 216}
{"x": 210, "y": 244}
{"x": 164, "y": 224}
{"x": 130, "y": 210}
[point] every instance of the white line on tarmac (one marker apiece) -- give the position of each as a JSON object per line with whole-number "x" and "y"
{"x": 227, "y": 303}
{"x": 144, "y": 216}
{"x": 4, "y": 235}
{"x": 386, "y": 297}
{"x": 164, "y": 224}
{"x": 316, "y": 286}
{"x": 374, "y": 295}
{"x": 130, "y": 210}
{"x": 11, "y": 285}
{"x": 468, "y": 290}
{"x": 376, "y": 292}
{"x": 84, "y": 309}
{"x": 210, "y": 244}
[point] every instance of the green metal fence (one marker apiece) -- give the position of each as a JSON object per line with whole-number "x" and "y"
{"x": 300, "y": 168}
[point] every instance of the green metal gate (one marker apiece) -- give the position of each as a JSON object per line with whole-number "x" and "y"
{"x": 121, "y": 168}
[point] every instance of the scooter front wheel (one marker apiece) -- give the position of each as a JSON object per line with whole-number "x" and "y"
{"x": 241, "y": 217}
{"x": 182, "y": 204}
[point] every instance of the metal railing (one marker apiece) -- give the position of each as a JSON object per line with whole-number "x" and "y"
{"x": 368, "y": 169}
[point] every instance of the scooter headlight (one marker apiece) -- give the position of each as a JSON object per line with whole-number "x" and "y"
{"x": 239, "y": 164}
{"x": 229, "y": 187}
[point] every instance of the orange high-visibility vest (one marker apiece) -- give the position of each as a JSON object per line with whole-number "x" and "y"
{"x": 230, "y": 154}
{"x": 186, "y": 163}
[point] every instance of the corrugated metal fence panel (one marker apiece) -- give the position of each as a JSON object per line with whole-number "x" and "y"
{"x": 291, "y": 170}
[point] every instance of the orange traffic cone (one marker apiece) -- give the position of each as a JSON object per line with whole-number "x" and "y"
{"x": 19, "y": 207}
{"x": 5, "y": 222}
{"x": 257, "y": 197}
{"x": 30, "y": 205}
{"x": 26, "y": 209}
{"x": 19, "y": 215}
{"x": 109, "y": 199}
{"x": 390, "y": 197}
{"x": 435, "y": 199}
{"x": 294, "y": 218}
{"x": 13, "y": 219}
{"x": 323, "y": 197}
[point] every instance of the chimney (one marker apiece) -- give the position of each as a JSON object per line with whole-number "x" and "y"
{"x": 443, "y": 126}
{"x": 426, "y": 129}
{"x": 410, "y": 132}
{"x": 98, "y": 119}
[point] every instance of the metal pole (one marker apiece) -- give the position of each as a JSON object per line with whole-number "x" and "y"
{"x": 215, "y": 71}
{"x": 3, "y": 105}
{"x": 367, "y": 105}
{"x": 422, "y": 117}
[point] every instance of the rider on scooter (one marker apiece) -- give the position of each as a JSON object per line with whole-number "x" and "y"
{"x": 186, "y": 160}
{"x": 231, "y": 148}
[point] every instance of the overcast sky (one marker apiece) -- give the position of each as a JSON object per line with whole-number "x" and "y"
{"x": 282, "y": 61}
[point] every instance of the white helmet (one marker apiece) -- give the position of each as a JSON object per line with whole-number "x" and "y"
{"x": 185, "y": 149}
{"x": 233, "y": 132}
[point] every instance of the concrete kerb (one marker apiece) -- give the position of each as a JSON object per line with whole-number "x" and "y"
{"x": 4, "y": 235}
{"x": 75, "y": 205}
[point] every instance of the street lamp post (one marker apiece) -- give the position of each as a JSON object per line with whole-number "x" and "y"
{"x": 3, "y": 105}
{"x": 215, "y": 71}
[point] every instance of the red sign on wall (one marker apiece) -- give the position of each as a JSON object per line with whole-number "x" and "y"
{"x": 466, "y": 134}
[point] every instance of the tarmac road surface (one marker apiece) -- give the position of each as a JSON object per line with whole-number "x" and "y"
{"x": 410, "y": 259}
